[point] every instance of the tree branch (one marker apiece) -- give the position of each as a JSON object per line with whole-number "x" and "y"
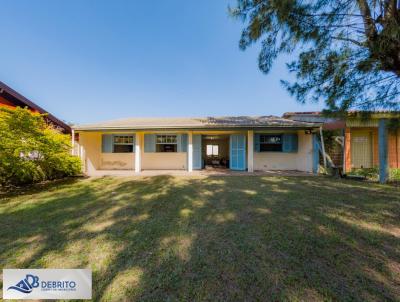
{"x": 390, "y": 9}
{"x": 369, "y": 25}
{"x": 358, "y": 43}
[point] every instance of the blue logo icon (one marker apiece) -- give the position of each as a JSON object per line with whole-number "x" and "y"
{"x": 26, "y": 285}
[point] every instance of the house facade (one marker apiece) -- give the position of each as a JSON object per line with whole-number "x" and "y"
{"x": 363, "y": 142}
{"x": 235, "y": 143}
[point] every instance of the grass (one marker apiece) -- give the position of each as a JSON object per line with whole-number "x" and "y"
{"x": 216, "y": 238}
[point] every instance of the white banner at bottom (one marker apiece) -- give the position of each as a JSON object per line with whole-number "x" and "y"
{"x": 47, "y": 284}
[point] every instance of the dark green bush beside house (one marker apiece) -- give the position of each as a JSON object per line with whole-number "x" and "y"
{"x": 31, "y": 150}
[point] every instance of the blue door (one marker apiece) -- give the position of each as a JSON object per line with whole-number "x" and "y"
{"x": 237, "y": 148}
{"x": 197, "y": 160}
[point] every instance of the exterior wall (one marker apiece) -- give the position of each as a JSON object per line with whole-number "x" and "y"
{"x": 301, "y": 160}
{"x": 375, "y": 147}
{"x": 96, "y": 160}
{"x": 91, "y": 143}
{"x": 117, "y": 161}
{"x": 164, "y": 161}
{"x": 394, "y": 149}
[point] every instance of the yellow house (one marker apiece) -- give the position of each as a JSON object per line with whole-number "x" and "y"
{"x": 238, "y": 143}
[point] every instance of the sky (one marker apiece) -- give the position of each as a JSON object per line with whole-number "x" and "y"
{"x": 89, "y": 61}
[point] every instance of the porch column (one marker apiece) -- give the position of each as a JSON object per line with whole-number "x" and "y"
{"x": 190, "y": 151}
{"x": 347, "y": 150}
{"x": 73, "y": 141}
{"x": 383, "y": 151}
{"x": 138, "y": 152}
{"x": 250, "y": 151}
{"x": 315, "y": 154}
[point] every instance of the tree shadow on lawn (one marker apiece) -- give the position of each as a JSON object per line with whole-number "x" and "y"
{"x": 216, "y": 238}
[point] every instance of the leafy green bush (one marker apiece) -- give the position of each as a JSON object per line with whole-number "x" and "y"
{"x": 31, "y": 150}
{"x": 373, "y": 173}
{"x": 370, "y": 173}
{"x": 395, "y": 174}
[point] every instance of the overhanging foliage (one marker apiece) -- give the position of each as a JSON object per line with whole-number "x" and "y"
{"x": 348, "y": 50}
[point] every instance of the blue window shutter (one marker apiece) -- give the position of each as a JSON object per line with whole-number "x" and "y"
{"x": 178, "y": 143}
{"x": 232, "y": 152}
{"x": 295, "y": 143}
{"x": 286, "y": 143}
{"x": 197, "y": 156}
{"x": 184, "y": 142}
{"x": 107, "y": 143}
{"x": 242, "y": 152}
{"x": 289, "y": 143}
{"x": 149, "y": 143}
{"x": 256, "y": 142}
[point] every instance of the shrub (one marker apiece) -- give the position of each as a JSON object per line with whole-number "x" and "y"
{"x": 373, "y": 173}
{"x": 395, "y": 174}
{"x": 370, "y": 173}
{"x": 31, "y": 150}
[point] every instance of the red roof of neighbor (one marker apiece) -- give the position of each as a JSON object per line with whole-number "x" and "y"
{"x": 19, "y": 100}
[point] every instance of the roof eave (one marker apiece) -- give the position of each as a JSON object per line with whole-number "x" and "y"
{"x": 244, "y": 127}
{"x": 29, "y": 103}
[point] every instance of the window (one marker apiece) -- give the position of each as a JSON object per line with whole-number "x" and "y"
{"x": 271, "y": 143}
{"x": 212, "y": 150}
{"x": 166, "y": 143}
{"x": 123, "y": 144}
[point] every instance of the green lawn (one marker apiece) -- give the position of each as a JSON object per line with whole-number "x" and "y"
{"x": 216, "y": 238}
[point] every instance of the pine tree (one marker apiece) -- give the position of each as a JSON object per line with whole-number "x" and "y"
{"x": 347, "y": 51}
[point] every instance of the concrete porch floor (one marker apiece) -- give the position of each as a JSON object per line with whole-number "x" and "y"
{"x": 204, "y": 172}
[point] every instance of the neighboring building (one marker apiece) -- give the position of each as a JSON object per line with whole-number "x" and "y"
{"x": 236, "y": 143}
{"x": 9, "y": 98}
{"x": 362, "y": 140}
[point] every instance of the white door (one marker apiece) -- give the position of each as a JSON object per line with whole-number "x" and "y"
{"x": 361, "y": 150}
